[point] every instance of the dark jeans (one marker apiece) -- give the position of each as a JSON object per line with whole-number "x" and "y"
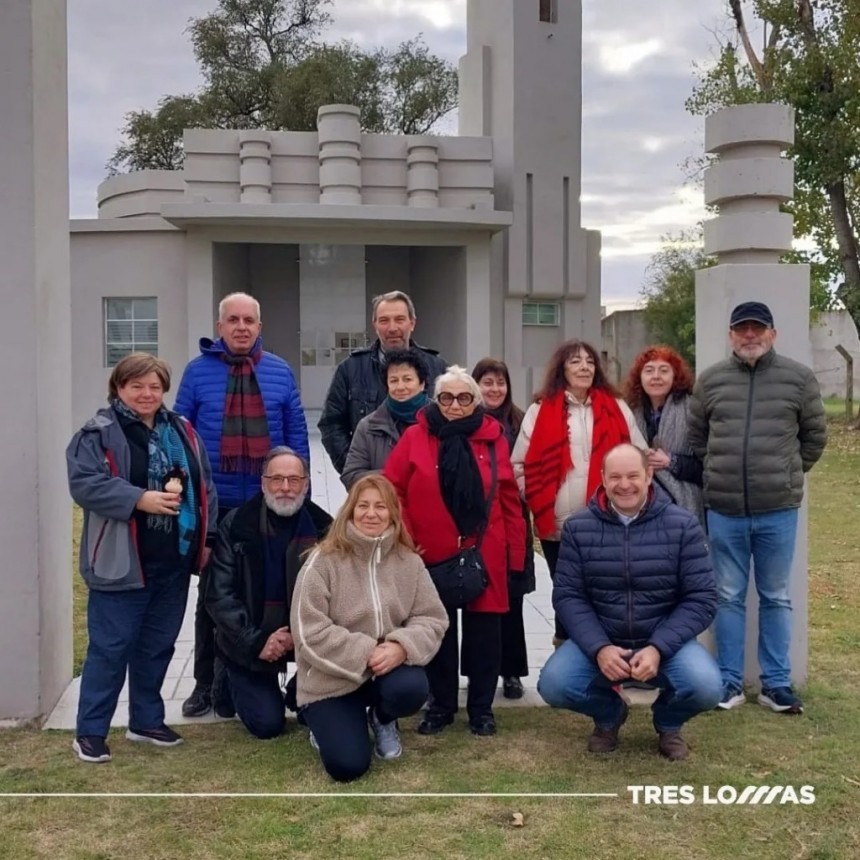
{"x": 204, "y": 628}
{"x": 134, "y": 631}
{"x": 258, "y": 700}
{"x": 339, "y": 724}
{"x": 515, "y": 660}
{"x": 550, "y": 553}
{"x": 480, "y": 659}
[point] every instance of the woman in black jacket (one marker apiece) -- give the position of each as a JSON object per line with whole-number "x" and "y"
{"x": 494, "y": 380}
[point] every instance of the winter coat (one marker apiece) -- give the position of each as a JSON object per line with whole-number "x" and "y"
{"x": 343, "y": 606}
{"x": 758, "y": 429}
{"x": 646, "y": 583}
{"x": 236, "y": 582}
{"x": 98, "y": 460}
{"x": 357, "y": 388}
{"x": 201, "y": 396}
{"x": 413, "y": 469}
{"x": 580, "y": 424}
{"x": 373, "y": 440}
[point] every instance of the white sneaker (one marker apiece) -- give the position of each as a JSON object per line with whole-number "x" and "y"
{"x": 387, "y": 737}
{"x": 733, "y": 697}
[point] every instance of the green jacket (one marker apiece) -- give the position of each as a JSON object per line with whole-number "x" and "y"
{"x": 758, "y": 429}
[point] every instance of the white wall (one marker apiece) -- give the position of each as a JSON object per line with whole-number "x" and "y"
{"x": 124, "y": 264}
{"x": 834, "y": 328}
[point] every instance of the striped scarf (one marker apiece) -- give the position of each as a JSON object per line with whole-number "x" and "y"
{"x": 548, "y": 458}
{"x": 245, "y": 430}
{"x": 167, "y": 454}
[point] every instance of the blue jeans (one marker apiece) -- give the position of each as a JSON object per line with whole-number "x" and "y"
{"x": 690, "y": 680}
{"x": 768, "y": 541}
{"x": 134, "y": 631}
{"x": 258, "y": 700}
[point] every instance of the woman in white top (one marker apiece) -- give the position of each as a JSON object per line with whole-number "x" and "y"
{"x": 576, "y": 419}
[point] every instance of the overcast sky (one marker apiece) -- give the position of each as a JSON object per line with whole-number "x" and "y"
{"x": 638, "y": 59}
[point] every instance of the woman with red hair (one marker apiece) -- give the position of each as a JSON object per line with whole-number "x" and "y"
{"x": 576, "y": 419}
{"x": 658, "y": 391}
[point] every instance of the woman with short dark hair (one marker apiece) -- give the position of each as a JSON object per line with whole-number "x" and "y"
{"x": 141, "y": 475}
{"x": 378, "y": 433}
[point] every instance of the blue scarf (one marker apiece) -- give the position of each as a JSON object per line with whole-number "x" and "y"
{"x": 404, "y": 411}
{"x": 166, "y": 453}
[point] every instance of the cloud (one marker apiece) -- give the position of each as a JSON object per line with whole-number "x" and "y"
{"x": 637, "y": 72}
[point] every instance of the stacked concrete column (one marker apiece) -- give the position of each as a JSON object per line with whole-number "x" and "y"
{"x": 255, "y": 165}
{"x": 748, "y": 182}
{"x": 35, "y": 509}
{"x": 422, "y": 171}
{"x": 339, "y": 128}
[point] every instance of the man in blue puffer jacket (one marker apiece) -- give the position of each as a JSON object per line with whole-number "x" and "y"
{"x": 242, "y": 401}
{"x": 633, "y": 588}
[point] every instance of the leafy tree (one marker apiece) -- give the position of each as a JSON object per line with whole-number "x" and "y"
{"x": 670, "y": 292}
{"x": 809, "y": 61}
{"x": 263, "y": 67}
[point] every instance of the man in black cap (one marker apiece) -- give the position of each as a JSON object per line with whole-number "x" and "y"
{"x": 757, "y": 421}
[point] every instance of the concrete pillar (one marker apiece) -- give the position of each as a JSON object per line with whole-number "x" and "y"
{"x": 422, "y": 171}
{"x": 339, "y": 128}
{"x": 35, "y": 510}
{"x": 202, "y": 310}
{"x": 748, "y": 183}
{"x": 255, "y": 165}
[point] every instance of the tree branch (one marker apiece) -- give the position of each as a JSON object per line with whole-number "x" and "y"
{"x": 755, "y": 63}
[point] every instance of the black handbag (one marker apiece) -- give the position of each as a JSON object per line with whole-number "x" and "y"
{"x": 463, "y": 577}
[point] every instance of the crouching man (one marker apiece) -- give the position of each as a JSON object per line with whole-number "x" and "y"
{"x": 634, "y": 586}
{"x": 257, "y": 558}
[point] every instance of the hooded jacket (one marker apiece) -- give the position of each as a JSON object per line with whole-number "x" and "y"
{"x": 357, "y": 388}
{"x": 343, "y": 606}
{"x": 758, "y": 430}
{"x": 200, "y": 398}
{"x": 98, "y": 460}
{"x": 646, "y": 583}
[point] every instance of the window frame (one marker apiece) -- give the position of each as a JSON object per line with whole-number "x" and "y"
{"x": 135, "y": 344}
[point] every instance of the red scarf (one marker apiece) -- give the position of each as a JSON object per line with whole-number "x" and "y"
{"x": 548, "y": 457}
{"x": 244, "y": 429}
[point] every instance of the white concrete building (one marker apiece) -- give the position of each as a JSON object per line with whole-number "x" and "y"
{"x": 482, "y": 229}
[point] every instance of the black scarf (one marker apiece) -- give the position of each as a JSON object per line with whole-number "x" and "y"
{"x": 459, "y": 476}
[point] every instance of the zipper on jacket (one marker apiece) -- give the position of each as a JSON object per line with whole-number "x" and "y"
{"x": 747, "y": 430}
{"x": 374, "y": 588}
{"x": 629, "y": 580}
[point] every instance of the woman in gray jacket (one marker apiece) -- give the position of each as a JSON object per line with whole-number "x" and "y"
{"x": 377, "y": 433}
{"x": 142, "y": 477}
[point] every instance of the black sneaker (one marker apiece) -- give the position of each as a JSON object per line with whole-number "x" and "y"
{"x": 163, "y": 736}
{"x": 199, "y": 702}
{"x": 512, "y": 688}
{"x": 434, "y": 722}
{"x": 781, "y": 699}
{"x": 91, "y": 748}
{"x": 483, "y": 726}
{"x": 733, "y": 697}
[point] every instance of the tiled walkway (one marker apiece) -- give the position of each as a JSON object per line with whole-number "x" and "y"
{"x": 329, "y": 493}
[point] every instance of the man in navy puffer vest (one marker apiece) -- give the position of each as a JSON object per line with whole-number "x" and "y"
{"x": 633, "y": 588}
{"x": 242, "y": 401}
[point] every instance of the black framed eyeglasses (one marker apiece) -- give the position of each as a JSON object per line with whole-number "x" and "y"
{"x": 294, "y": 482}
{"x": 465, "y": 398}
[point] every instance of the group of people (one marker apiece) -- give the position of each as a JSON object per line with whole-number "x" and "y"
{"x": 448, "y": 484}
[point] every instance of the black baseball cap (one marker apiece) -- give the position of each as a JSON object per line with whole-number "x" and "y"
{"x": 751, "y": 312}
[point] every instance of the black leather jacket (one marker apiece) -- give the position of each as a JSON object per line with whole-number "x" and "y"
{"x": 357, "y": 389}
{"x": 236, "y": 581}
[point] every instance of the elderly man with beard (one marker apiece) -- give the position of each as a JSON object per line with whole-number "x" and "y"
{"x": 252, "y": 575}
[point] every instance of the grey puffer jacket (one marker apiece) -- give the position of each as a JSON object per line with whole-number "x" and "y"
{"x": 372, "y": 442}
{"x": 758, "y": 429}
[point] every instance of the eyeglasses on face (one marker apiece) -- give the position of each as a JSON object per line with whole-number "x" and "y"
{"x": 294, "y": 482}
{"x": 465, "y": 398}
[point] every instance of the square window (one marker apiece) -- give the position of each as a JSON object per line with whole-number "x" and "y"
{"x": 541, "y": 313}
{"x": 130, "y": 325}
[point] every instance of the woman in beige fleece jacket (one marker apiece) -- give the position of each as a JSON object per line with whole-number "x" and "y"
{"x": 365, "y": 619}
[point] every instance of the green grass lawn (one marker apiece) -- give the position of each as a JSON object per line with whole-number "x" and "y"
{"x": 536, "y": 750}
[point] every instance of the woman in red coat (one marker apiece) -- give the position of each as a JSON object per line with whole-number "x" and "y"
{"x": 441, "y": 468}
